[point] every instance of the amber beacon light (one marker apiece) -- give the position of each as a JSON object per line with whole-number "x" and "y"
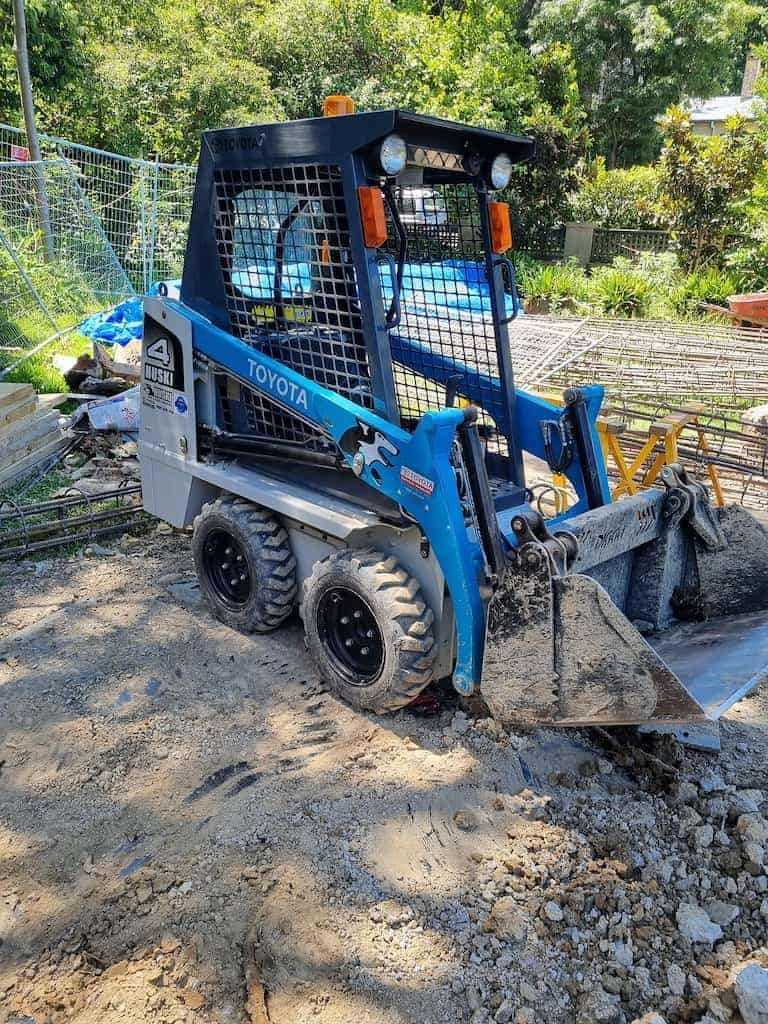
{"x": 335, "y": 105}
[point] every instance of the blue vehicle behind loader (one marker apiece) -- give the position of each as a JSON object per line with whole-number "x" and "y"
{"x": 331, "y": 402}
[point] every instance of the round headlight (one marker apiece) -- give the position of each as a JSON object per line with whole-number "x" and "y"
{"x": 392, "y": 155}
{"x": 501, "y": 171}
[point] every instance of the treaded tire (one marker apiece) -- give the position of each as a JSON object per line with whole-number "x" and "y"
{"x": 405, "y": 623}
{"x": 269, "y": 595}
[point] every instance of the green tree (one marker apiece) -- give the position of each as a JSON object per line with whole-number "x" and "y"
{"x": 626, "y": 197}
{"x": 541, "y": 189}
{"x": 704, "y": 181}
{"x": 635, "y": 58}
{"x": 54, "y": 41}
{"x": 750, "y": 259}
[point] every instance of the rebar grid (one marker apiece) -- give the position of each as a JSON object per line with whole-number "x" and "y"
{"x": 662, "y": 360}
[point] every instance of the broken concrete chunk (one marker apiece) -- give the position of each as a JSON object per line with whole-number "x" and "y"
{"x": 722, "y": 913}
{"x": 695, "y": 924}
{"x": 751, "y": 988}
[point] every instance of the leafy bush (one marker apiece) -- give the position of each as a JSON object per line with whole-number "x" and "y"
{"x": 623, "y": 198}
{"x": 549, "y": 287}
{"x": 704, "y": 182}
{"x": 622, "y": 291}
{"x": 711, "y": 286}
{"x": 749, "y": 261}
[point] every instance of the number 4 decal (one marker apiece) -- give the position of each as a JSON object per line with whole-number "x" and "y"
{"x": 160, "y": 351}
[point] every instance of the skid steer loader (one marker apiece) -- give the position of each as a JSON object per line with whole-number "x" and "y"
{"x": 331, "y": 403}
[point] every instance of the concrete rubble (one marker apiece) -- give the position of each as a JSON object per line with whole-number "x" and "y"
{"x": 183, "y": 808}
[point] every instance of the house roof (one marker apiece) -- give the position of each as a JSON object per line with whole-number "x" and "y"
{"x": 720, "y": 108}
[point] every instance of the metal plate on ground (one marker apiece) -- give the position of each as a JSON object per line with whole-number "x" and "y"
{"x": 719, "y": 661}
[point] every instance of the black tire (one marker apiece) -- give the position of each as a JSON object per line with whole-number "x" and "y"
{"x": 262, "y": 593}
{"x": 400, "y": 659}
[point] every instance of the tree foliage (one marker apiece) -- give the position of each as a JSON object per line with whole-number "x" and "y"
{"x": 626, "y": 197}
{"x": 636, "y": 58}
{"x": 145, "y": 77}
{"x": 703, "y": 182}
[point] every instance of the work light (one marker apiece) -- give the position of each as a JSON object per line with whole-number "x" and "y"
{"x": 501, "y": 171}
{"x": 392, "y": 155}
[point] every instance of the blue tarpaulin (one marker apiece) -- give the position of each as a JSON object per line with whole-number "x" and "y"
{"x": 124, "y": 323}
{"x": 450, "y": 285}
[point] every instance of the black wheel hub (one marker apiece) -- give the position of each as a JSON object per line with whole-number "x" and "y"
{"x": 349, "y": 629}
{"x": 227, "y": 568}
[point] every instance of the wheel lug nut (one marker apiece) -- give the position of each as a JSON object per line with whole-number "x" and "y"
{"x": 228, "y": 551}
{"x": 364, "y": 650}
{"x": 348, "y": 643}
{"x": 369, "y": 634}
{"x": 358, "y": 614}
{"x": 233, "y": 583}
{"x": 242, "y": 577}
{"x": 344, "y": 620}
{"x": 225, "y": 565}
{"x": 239, "y": 558}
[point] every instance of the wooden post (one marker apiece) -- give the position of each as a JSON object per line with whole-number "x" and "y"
{"x": 28, "y": 106}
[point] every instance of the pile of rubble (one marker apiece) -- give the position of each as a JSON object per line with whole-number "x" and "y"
{"x": 192, "y": 830}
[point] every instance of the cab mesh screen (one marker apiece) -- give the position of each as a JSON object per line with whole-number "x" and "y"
{"x": 285, "y": 259}
{"x": 446, "y": 302}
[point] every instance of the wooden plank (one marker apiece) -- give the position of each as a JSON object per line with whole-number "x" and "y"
{"x": 17, "y": 470}
{"x": 11, "y": 458}
{"x": 17, "y": 439}
{"x": 19, "y": 411}
{"x": 10, "y": 394}
{"x": 54, "y": 400}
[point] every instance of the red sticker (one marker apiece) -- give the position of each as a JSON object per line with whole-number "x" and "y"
{"x": 419, "y": 483}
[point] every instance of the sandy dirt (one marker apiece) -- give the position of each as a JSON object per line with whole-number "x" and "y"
{"x": 192, "y": 829}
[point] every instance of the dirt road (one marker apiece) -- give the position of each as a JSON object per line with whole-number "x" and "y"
{"x": 191, "y": 829}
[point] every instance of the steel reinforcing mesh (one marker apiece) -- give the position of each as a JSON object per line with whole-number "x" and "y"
{"x": 445, "y": 299}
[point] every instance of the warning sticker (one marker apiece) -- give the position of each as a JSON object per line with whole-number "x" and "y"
{"x": 416, "y": 481}
{"x": 163, "y": 399}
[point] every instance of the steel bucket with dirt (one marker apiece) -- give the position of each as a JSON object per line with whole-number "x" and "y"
{"x": 653, "y": 609}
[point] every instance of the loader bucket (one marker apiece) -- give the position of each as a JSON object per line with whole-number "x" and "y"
{"x": 660, "y": 617}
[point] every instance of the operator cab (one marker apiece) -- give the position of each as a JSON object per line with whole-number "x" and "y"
{"x": 372, "y": 261}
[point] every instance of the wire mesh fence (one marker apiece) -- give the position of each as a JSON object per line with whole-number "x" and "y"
{"x": 143, "y": 205}
{"x": 56, "y": 263}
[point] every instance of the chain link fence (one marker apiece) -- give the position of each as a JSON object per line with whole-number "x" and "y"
{"x": 56, "y": 263}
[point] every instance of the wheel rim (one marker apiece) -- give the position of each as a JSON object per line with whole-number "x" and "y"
{"x": 227, "y": 568}
{"x": 350, "y": 632}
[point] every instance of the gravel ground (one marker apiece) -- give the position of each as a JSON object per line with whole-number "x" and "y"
{"x": 191, "y": 829}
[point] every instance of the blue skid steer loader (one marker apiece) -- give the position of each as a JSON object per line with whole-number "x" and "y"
{"x": 331, "y": 403}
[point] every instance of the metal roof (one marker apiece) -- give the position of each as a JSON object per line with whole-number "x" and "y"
{"x": 720, "y": 108}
